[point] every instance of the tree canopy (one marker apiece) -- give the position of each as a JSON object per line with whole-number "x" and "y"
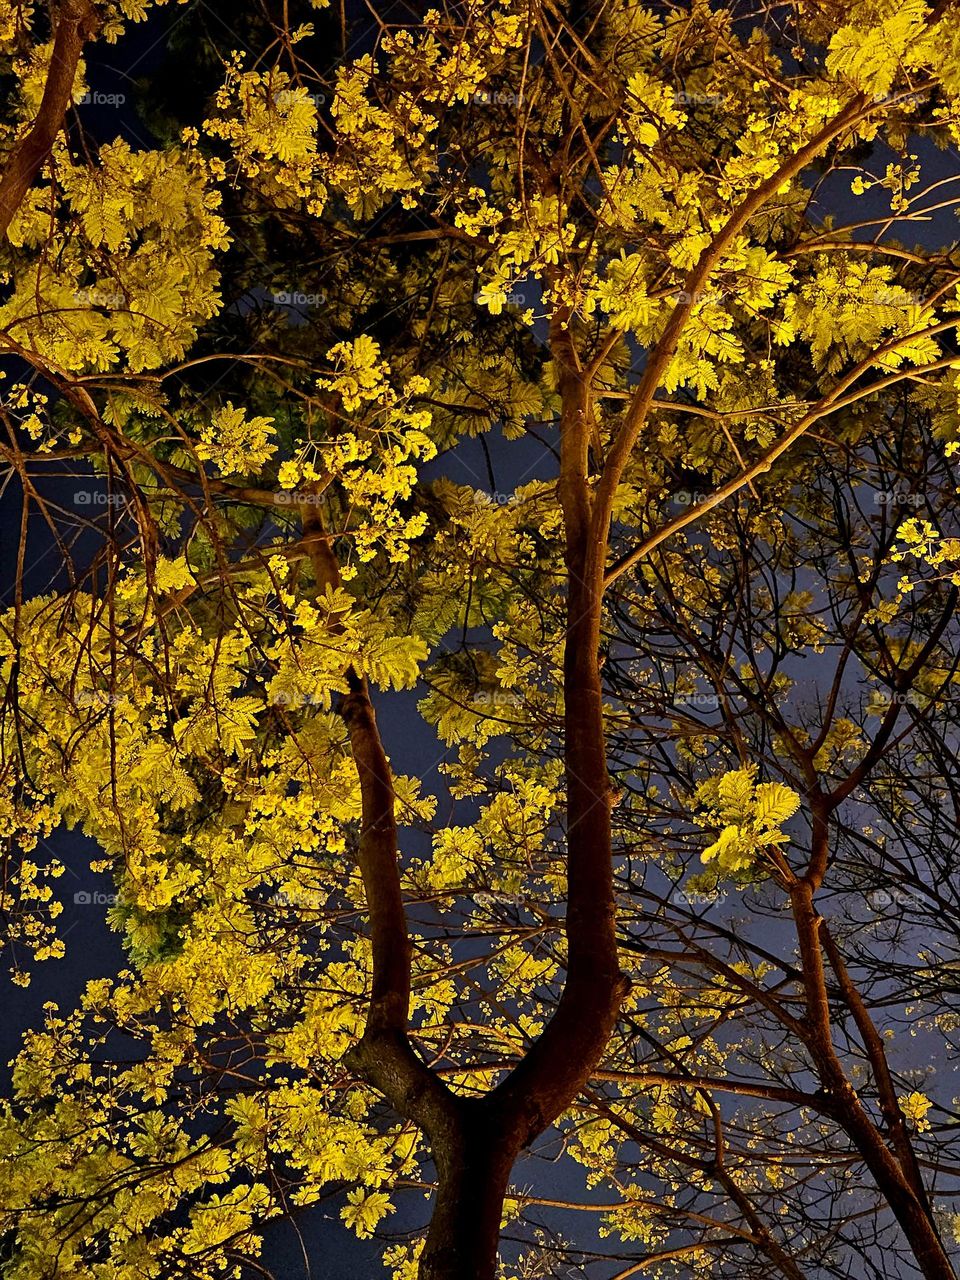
{"x": 655, "y": 973}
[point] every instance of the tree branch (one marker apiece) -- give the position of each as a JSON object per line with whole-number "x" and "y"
{"x": 75, "y": 23}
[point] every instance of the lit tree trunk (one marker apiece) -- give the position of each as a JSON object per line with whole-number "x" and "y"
{"x": 474, "y": 1161}
{"x": 476, "y": 1142}
{"x": 906, "y": 1205}
{"x": 474, "y": 1171}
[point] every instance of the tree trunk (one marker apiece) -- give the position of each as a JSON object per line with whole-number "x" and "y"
{"x": 892, "y": 1178}
{"x": 474, "y": 1170}
{"x": 910, "y": 1212}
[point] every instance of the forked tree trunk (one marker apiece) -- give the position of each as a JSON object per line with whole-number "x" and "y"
{"x": 897, "y": 1178}
{"x": 463, "y": 1239}
{"x": 475, "y": 1157}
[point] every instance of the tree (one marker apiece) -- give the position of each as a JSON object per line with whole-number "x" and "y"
{"x": 797, "y": 654}
{"x": 308, "y": 1013}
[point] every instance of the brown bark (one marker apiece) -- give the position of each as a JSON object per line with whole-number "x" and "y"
{"x": 476, "y": 1142}
{"x": 894, "y": 1180}
{"x": 473, "y": 1168}
{"x": 75, "y": 22}
{"x": 384, "y": 1055}
{"x": 873, "y": 1044}
{"x": 907, "y": 1208}
{"x": 474, "y": 1164}
{"x": 560, "y": 1062}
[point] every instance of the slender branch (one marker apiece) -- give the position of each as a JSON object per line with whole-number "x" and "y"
{"x": 829, "y": 403}
{"x": 384, "y": 1054}
{"x": 663, "y": 353}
